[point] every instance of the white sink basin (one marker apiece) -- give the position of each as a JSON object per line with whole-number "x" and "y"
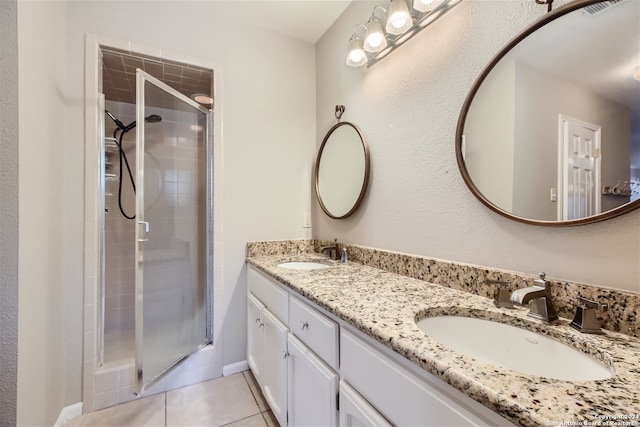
{"x": 303, "y": 265}
{"x": 513, "y": 348}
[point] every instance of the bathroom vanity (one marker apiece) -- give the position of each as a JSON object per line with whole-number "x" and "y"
{"x": 340, "y": 346}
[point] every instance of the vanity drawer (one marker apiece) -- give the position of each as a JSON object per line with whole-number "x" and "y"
{"x": 269, "y": 293}
{"x": 380, "y": 381}
{"x": 315, "y": 329}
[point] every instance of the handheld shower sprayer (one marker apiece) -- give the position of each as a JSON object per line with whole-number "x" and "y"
{"x": 153, "y": 118}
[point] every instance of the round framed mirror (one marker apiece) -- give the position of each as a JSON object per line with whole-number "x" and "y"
{"x": 549, "y": 134}
{"x": 342, "y": 170}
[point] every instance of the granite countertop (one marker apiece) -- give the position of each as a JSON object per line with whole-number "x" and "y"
{"x": 385, "y": 306}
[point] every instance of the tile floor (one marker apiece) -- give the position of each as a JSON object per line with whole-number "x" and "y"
{"x": 235, "y": 400}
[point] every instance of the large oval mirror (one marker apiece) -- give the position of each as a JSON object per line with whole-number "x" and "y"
{"x": 342, "y": 170}
{"x": 550, "y": 132}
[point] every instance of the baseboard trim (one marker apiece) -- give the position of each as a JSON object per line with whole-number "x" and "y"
{"x": 234, "y": 368}
{"x": 67, "y": 413}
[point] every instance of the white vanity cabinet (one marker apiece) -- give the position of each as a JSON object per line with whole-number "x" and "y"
{"x": 313, "y": 362}
{"x": 404, "y": 397}
{"x": 274, "y": 368}
{"x": 315, "y": 369}
{"x": 312, "y": 389}
{"x": 254, "y": 336}
{"x": 267, "y": 314}
{"x": 355, "y": 411}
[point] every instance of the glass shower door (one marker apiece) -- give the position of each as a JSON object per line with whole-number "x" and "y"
{"x": 173, "y": 221}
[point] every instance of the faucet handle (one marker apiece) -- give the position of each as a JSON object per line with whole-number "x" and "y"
{"x": 587, "y": 303}
{"x": 585, "y": 319}
{"x": 542, "y": 281}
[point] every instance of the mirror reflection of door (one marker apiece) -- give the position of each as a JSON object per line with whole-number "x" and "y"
{"x": 579, "y": 169}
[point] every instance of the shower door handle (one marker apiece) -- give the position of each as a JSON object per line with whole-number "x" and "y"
{"x": 144, "y": 235}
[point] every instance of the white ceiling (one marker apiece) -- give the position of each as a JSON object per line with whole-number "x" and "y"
{"x": 306, "y": 20}
{"x": 599, "y": 52}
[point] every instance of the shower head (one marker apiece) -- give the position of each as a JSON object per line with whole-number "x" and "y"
{"x": 153, "y": 118}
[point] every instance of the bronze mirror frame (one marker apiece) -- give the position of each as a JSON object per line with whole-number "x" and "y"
{"x": 365, "y": 180}
{"x": 536, "y": 25}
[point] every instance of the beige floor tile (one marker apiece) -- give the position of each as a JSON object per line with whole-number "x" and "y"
{"x": 270, "y": 419}
{"x": 211, "y": 403}
{"x": 253, "y": 421}
{"x": 255, "y": 389}
{"x": 148, "y": 411}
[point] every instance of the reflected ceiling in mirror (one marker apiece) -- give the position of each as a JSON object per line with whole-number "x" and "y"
{"x": 550, "y": 132}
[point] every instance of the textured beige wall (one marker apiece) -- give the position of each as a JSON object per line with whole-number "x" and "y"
{"x": 8, "y": 211}
{"x": 408, "y": 105}
{"x": 42, "y": 112}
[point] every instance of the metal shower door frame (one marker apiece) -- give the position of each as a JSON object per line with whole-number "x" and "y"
{"x": 141, "y": 78}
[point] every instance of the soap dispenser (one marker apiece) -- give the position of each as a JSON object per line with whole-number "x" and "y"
{"x": 343, "y": 258}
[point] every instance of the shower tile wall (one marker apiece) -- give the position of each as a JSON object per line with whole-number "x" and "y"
{"x": 119, "y": 235}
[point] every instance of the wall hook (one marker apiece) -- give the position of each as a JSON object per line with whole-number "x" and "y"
{"x": 339, "y": 111}
{"x": 547, "y": 2}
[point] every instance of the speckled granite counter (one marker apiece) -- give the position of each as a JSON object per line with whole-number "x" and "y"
{"x": 385, "y": 306}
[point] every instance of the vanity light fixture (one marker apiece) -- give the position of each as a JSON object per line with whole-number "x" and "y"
{"x": 391, "y": 27}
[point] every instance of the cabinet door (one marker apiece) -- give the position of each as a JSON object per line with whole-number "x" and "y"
{"x": 274, "y": 365}
{"x": 357, "y": 412}
{"x": 254, "y": 336}
{"x": 313, "y": 387}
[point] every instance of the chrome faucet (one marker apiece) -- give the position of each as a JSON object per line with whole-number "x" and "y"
{"x": 333, "y": 250}
{"x": 585, "y": 319}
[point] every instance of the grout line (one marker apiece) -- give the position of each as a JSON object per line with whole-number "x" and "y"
{"x": 255, "y": 399}
{"x": 264, "y": 418}
{"x": 245, "y": 418}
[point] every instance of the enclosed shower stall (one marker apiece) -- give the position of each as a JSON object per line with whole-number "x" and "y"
{"x": 155, "y": 305}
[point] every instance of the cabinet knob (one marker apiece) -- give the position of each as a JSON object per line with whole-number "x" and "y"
{"x": 303, "y": 325}
{"x": 285, "y": 354}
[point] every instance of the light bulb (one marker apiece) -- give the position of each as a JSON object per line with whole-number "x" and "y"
{"x": 398, "y": 20}
{"x": 422, "y": 5}
{"x": 374, "y": 40}
{"x": 355, "y": 53}
{"x": 399, "y": 17}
